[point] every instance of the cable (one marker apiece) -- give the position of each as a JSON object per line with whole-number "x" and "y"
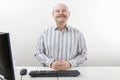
{"x": 21, "y": 77}
{"x": 57, "y": 78}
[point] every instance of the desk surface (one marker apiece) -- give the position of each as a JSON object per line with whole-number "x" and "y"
{"x": 87, "y": 73}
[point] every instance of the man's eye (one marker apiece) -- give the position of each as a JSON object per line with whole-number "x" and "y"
{"x": 64, "y": 11}
{"x": 57, "y": 11}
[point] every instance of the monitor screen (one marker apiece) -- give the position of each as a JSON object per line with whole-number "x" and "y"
{"x": 6, "y": 63}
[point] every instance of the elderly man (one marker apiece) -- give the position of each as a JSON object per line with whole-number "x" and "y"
{"x": 61, "y": 46}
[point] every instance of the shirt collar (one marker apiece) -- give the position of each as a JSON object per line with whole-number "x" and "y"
{"x": 67, "y": 27}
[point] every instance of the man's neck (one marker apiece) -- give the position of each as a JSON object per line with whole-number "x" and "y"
{"x": 61, "y": 26}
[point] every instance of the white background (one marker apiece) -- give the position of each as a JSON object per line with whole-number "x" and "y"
{"x": 98, "y": 20}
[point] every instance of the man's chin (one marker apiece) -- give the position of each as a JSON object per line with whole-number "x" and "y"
{"x": 61, "y": 20}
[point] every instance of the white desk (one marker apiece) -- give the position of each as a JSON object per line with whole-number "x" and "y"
{"x": 87, "y": 73}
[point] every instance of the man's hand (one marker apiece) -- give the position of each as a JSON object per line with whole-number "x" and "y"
{"x": 60, "y": 65}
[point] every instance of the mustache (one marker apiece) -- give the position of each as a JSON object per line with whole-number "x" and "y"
{"x": 61, "y": 16}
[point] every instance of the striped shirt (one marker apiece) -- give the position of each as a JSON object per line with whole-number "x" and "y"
{"x": 68, "y": 44}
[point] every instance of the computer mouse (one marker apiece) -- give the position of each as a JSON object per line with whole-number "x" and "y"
{"x": 23, "y": 71}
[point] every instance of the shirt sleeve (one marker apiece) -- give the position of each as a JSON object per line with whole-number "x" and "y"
{"x": 81, "y": 56}
{"x": 40, "y": 52}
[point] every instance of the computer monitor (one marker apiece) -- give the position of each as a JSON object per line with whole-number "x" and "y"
{"x": 6, "y": 63}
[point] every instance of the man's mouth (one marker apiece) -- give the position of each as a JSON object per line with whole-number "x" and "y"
{"x": 61, "y": 16}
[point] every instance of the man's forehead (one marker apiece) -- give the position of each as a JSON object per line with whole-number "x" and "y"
{"x": 60, "y": 6}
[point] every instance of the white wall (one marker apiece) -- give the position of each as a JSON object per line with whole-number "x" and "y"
{"x": 99, "y": 21}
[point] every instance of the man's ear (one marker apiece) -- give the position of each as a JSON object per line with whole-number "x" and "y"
{"x": 69, "y": 13}
{"x": 52, "y": 13}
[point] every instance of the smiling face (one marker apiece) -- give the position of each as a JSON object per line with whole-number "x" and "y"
{"x": 61, "y": 13}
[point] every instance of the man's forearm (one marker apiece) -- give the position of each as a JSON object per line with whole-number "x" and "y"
{"x": 44, "y": 60}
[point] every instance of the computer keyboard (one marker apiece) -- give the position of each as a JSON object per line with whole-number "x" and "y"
{"x": 53, "y": 73}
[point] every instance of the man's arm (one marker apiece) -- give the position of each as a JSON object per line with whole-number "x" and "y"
{"x": 81, "y": 57}
{"x": 40, "y": 53}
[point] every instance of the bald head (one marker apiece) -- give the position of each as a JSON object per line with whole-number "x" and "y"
{"x": 61, "y": 14}
{"x": 61, "y": 5}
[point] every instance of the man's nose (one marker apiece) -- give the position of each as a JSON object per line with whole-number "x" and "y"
{"x": 61, "y": 12}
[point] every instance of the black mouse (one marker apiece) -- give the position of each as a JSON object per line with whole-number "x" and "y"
{"x": 23, "y": 71}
